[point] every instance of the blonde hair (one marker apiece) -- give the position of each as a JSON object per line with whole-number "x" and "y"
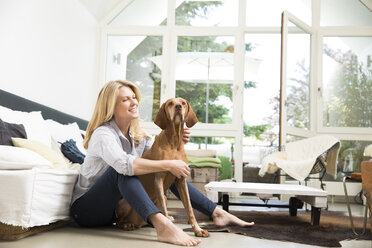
{"x": 104, "y": 110}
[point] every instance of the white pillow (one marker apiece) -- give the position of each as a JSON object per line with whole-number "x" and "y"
{"x": 57, "y": 149}
{"x": 41, "y": 149}
{"x": 62, "y": 133}
{"x": 35, "y": 126}
{"x": 17, "y": 158}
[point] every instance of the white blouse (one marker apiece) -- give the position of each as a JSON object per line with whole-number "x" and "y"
{"x": 108, "y": 147}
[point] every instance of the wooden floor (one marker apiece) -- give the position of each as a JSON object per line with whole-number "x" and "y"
{"x": 74, "y": 237}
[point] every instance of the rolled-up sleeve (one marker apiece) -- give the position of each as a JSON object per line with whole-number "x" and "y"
{"x": 105, "y": 146}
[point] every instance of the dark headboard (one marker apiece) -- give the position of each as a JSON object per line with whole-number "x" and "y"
{"x": 14, "y": 102}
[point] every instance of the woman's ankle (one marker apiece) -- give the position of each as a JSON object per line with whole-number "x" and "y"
{"x": 217, "y": 212}
{"x": 158, "y": 220}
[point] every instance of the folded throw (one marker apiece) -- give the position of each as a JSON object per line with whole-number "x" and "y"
{"x": 201, "y": 153}
{"x": 204, "y": 162}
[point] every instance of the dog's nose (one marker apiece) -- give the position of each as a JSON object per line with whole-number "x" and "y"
{"x": 178, "y": 106}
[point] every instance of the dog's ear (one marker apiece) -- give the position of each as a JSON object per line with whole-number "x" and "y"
{"x": 161, "y": 118}
{"x": 191, "y": 118}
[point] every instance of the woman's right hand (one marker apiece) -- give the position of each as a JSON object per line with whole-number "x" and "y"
{"x": 178, "y": 168}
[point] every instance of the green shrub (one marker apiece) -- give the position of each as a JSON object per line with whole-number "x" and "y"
{"x": 225, "y": 171}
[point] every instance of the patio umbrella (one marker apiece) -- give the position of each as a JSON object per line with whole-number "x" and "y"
{"x": 209, "y": 66}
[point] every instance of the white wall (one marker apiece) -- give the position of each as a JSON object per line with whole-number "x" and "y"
{"x": 49, "y": 53}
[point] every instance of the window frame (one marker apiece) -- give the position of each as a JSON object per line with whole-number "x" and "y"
{"x": 171, "y": 31}
{"x": 344, "y": 133}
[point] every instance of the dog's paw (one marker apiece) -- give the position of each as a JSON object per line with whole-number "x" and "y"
{"x": 202, "y": 233}
{"x": 127, "y": 226}
{"x": 171, "y": 218}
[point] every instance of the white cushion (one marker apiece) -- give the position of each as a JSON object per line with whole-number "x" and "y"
{"x": 17, "y": 158}
{"x": 56, "y": 159}
{"x": 57, "y": 148}
{"x": 35, "y": 126}
{"x": 62, "y": 133}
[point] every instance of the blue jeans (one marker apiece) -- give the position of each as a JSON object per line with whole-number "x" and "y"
{"x": 97, "y": 206}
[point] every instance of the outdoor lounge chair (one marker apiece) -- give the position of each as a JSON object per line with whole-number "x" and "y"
{"x": 305, "y": 159}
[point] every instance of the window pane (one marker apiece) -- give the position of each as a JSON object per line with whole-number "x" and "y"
{"x": 204, "y": 76}
{"x": 349, "y": 159}
{"x": 293, "y": 138}
{"x": 224, "y": 146}
{"x": 207, "y": 13}
{"x": 261, "y": 98}
{"x": 269, "y": 12}
{"x": 298, "y": 79}
{"x": 344, "y": 13}
{"x": 347, "y": 82}
{"x": 143, "y": 12}
{"x": 129, "y": 57}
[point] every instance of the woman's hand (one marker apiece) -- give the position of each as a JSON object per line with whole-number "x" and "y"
{"x": 178, "y": 168}
{"x": 186, "y": 135}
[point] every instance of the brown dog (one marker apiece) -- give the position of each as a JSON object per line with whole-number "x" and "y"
{"x": 168, "y": 145}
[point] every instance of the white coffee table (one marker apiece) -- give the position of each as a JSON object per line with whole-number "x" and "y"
{"x": 317, "y": 198}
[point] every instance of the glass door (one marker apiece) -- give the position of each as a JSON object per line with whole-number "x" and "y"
{"x": 295, "y": 86}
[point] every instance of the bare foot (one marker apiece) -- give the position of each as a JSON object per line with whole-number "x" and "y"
{"x": 169, "y": 233}
{"x": 222, "y": 218}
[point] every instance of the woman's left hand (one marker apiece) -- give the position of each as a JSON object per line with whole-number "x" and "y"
{"x": 186, "y": 135}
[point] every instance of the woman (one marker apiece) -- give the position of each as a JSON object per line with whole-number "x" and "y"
{"x": 115, "y": 143}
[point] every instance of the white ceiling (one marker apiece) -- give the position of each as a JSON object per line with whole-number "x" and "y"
{"x": 100, "y": 8}
{"x": 367, "y": 3}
